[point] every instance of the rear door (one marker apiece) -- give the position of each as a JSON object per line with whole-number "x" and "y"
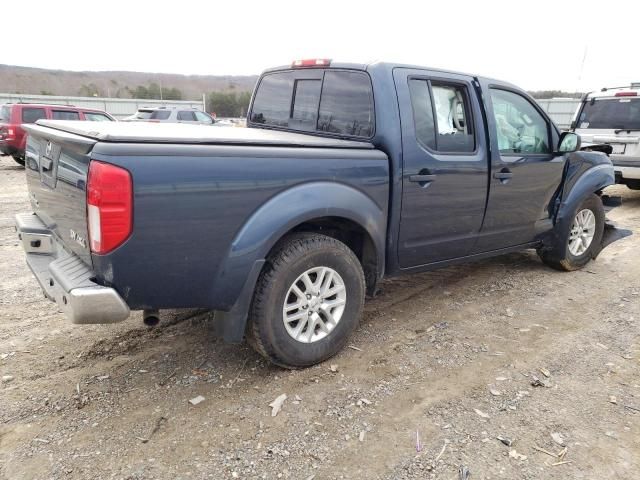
{"x": 444, "y": 180}
{"x": 525, "y": 173}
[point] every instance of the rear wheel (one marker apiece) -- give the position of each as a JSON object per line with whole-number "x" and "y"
{"x": 308, "y": 300}
{"x": 19, "y": 159}
{"x": 580, "y": 241}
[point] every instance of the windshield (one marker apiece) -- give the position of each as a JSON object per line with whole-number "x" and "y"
{"x": 5, "y": 113}
{"x": 611, "y": 113}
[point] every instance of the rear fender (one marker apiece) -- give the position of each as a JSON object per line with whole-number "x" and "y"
{"x": 236, "y": 278}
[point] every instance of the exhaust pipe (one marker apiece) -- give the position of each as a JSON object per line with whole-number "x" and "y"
{"x": 151, "y": 318}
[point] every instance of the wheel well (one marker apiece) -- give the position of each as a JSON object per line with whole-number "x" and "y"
{"x": 353, "y": 236}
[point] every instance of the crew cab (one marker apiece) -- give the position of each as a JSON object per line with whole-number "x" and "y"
{"x": 14, "y": 115}
{"x": 347, "y": 173}
{"x": 611, "y": 118}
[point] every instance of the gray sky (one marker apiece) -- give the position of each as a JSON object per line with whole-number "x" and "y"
{"x": 535, "y": 44}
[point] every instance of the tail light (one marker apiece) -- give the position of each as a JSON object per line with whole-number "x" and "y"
{"x": 626, "y": 94}
{"x": 109, "y": 206}
{"x": 8, "y": 132}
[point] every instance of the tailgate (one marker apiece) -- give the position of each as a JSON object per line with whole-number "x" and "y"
{"x": 56, "y": 165}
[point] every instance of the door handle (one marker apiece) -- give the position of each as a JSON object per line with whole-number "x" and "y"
{"x": 422, "y": 178}
{"x": 503, "y": 175}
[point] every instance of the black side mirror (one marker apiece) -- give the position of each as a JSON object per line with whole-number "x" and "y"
{"x": 569, "y": 142}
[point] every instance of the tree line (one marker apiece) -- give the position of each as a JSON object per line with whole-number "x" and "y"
{"x": 224, "y": 104}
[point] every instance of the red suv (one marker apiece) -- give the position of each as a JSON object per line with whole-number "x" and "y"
{"x": 13, "y": 115}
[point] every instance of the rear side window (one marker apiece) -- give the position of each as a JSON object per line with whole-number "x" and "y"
{"x": 442, "y": 117}
{"x": 186, "y": 116}
{"x": 32, "y": 115}
{"x": 96, "y": 117}
{"x": 64, "y": 115}
{"x": 338, "y": 102}
{"x": 160, "y": 115}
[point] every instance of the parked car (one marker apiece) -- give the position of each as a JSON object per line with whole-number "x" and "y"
{"x": 346, "y": 174}
{"x": 14, "y": 115}
{"x": 171, "y": 115}
{"x": 612, "y": 117}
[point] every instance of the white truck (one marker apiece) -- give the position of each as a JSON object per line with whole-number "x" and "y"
{"x": 611, "y": 118}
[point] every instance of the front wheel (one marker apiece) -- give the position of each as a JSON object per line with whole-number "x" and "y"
{"x": 307, "y": 302}
{"x": 579, "y": 244}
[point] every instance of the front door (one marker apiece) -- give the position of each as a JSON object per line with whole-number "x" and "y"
{"x": 445, "y": 166}
{"x": 525, "y": 173}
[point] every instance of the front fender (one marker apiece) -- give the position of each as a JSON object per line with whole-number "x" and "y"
{"x": 281, "y": 214}
{"x": 585, "y": 173}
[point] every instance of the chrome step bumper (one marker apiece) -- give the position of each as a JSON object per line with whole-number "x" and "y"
{"x": 65, "y": 278}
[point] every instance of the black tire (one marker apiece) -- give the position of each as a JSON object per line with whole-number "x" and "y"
{"x": 297, "y": 254}
{"x": 560, "y": 257}
{"x": 18, "y": 159}
{"x": 633, "y": 184}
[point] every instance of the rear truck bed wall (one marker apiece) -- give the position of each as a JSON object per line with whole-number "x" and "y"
{"x": 206, "y": 216}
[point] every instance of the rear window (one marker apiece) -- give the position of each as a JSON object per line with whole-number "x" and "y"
{"x": 64, "y": 115}
{"x": 614, "y": 113}
{"x": 5, "y": 113}
{"x": 32, "y": 115}
{"x": 337, "y": 102}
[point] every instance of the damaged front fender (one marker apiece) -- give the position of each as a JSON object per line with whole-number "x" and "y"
{"x": 585, "y": 173}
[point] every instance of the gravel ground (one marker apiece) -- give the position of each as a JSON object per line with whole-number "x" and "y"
{"x": 505, "y": 347}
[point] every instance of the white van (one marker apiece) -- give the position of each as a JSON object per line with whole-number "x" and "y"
{"x": 612, "y": 117}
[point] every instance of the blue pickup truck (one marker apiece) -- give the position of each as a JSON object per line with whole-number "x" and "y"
{"x": 347, "y": 173}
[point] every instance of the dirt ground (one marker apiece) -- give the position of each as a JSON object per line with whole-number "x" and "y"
{"x": 500, "y": 348}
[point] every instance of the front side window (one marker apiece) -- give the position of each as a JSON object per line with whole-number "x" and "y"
{"x": 203, "y": 117}
{"x": 64, "y": 115}
{"x": 520, "y": 128}
{"x": 32, "y": 115}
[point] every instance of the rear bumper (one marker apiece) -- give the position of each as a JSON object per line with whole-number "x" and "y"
{"x": 65, "y": 278}
{"x": 626, "y": 167}
{"x": 7, "y": 149}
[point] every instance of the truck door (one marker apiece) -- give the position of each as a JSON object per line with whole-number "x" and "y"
{"x": 445, "y": 166}
{"x": 525, "y": 173}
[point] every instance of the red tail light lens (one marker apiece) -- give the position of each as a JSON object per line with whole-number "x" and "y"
{"x": 109, "y": 206}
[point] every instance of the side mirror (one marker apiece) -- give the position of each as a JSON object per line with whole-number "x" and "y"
{"x": 569, "y": 142}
